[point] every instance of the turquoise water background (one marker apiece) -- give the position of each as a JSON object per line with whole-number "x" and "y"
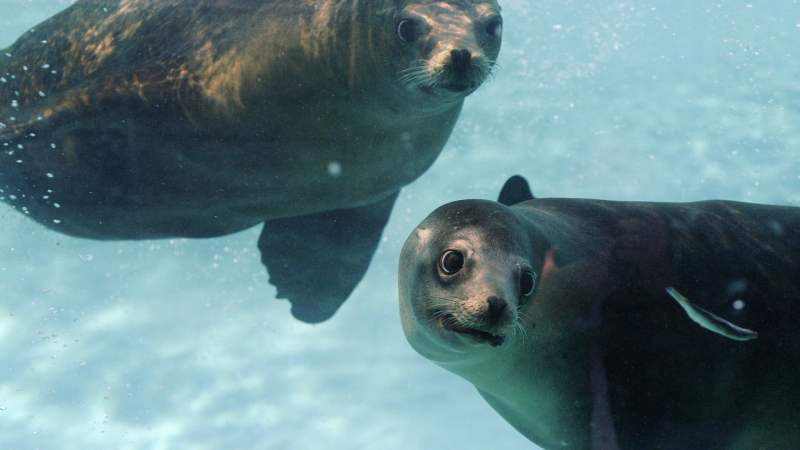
{"x": 180, "y": 344}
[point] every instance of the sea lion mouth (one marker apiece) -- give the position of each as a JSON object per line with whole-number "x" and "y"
{"x": 453, "y": 87}
{"x": 448, "y": 322}
{"x": 458, "y": 87}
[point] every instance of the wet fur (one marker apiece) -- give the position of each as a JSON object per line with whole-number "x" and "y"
{"x": 202, "y": 118}
{"x": 609, "y": 346}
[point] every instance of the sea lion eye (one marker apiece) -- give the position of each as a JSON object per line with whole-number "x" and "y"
{"x": 495, "y": 27}
{"x": 408, "y": 30}
{"x": 451, "y": 261}
{"x": 527, "y": 281}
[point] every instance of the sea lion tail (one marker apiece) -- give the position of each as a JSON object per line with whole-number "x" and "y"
{"x": 515, "y": 190}
{"x": 711, "y": 321}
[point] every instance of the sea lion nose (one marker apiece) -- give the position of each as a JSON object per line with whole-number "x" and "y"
{"x": 496, "y": 307}
{"x": 460, "y": 58}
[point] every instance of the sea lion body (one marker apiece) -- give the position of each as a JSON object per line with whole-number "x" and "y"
{"x": 605, "y": 358}
{"x": 162, "y": 118}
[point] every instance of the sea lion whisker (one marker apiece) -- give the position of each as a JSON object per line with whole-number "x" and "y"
{"x": 408, "y": 70}
{"x": 413, "y": 73}
{"x": 523, "y": 331}
{"x": 435, "y": 304}
{"x": 414, "y": 66}
{"x": 415, "y": 79}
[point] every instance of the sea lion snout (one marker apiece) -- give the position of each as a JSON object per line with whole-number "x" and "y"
{"x": 460, "y": 71}
{"x": 460, "y": 60}
{"x": 496, "y": 307}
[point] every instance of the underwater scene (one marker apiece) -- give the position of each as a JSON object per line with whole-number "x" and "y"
{"x": 215, "y": 230}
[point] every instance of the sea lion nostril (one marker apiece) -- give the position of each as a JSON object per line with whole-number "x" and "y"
{"x": 496, "y": 307}
{"x": 460, "y": 59}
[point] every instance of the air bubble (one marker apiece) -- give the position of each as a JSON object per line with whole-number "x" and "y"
{"x": 334, "y": 168}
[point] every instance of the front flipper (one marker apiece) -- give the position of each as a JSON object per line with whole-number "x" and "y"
{"x": 710, "y": 321}
{"x": 316, "y": 261}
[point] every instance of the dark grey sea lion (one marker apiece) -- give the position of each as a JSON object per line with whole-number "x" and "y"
{"x": 133, "y": 119}
{"x": 592, "y": 324}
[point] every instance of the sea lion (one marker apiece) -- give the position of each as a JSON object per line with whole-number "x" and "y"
{"x": 591, "y": 324}
{"x": 133, "y": 119}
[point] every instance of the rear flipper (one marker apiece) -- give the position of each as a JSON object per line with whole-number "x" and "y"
{"x": 710, "y": 321}
{"x": 316, "y": 261}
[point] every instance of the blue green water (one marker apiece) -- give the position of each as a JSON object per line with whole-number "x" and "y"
{"x": 180, "y": 344}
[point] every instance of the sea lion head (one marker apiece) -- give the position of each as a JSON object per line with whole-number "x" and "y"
{"x": 467, "y": 273}
{"x": 445, "y": 48}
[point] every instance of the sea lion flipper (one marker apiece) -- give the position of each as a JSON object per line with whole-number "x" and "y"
{"x": 515, "y": 190}
{"x": 316, "y": 261}
{"x": 711, "y": 321}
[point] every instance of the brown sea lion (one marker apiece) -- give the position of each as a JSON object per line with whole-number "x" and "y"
{"x": 591, "y": 324}
{"x": 132, "y": 119}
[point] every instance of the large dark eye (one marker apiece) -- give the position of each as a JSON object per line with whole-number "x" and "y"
{"x": 526, "y": 283}
{"x": 451, "y": 261}
{"x": 408, "y": 30}
{"x": 495, "y": 27}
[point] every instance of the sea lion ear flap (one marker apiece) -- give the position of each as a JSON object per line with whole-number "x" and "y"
{"x": 515, "y": 190}
{"x": 710, "y": 321}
